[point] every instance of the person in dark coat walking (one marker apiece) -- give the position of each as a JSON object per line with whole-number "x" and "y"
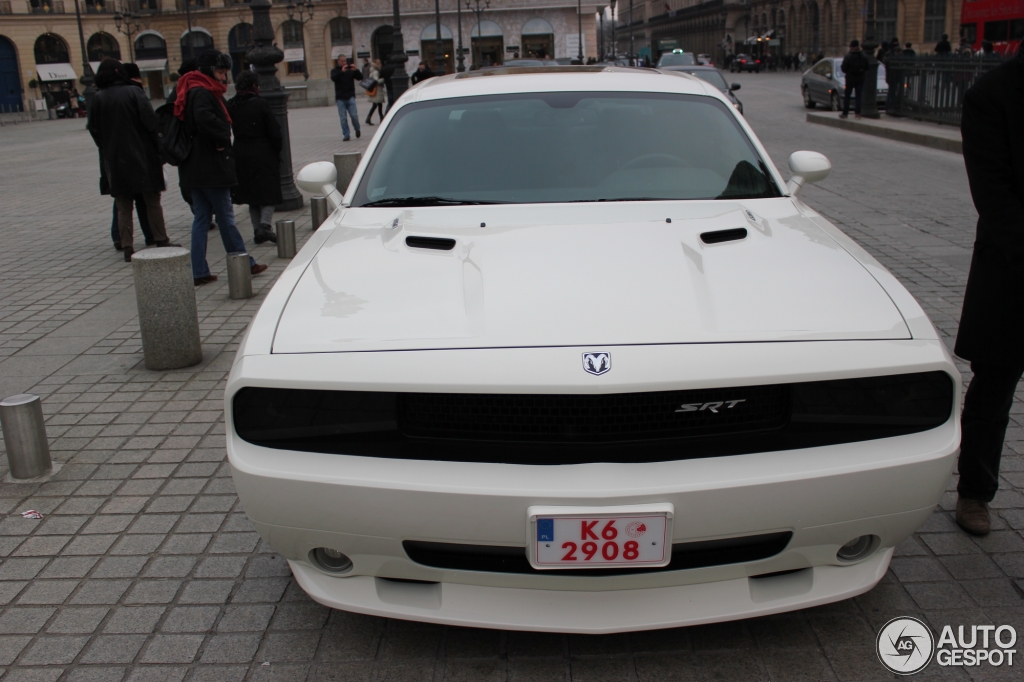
{"x": 991, "y": 334}
{"x": 422, "y": 73}
{"x": 854, "y": 66}
{"x": 257, "y": 155}
{"x": 345, "y": 77}
{"x": 387, "y": 70}
{"x": 209, "y": 170}
{"x": 943, "y": 47}
{"x": 124, "y": 127}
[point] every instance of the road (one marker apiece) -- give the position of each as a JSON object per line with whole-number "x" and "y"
{"x": 145, "y": 567}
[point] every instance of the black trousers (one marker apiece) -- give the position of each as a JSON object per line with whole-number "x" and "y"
{"x": 856, "y": 90}
{"x": 984, "y": 419}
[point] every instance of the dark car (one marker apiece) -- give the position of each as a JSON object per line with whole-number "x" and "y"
{"x": 713, "y": 76}
{"x": 745, "y": 62}
{"x": 825, "y": 82}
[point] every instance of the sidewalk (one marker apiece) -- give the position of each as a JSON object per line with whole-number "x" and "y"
{"x": 934, "y": 135}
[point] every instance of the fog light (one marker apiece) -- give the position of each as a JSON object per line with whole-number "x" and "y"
{"x": 857, "y": 548}
{"x": 332, "y": 560}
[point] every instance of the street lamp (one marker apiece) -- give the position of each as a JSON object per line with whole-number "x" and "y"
{"x": 303, "y": 8}
{"x": 479, "y": 11}
{"x": 439, "y": 45}
{"x": 87, "y": 75}
{"x": 632, "y": 59}
{"x": 869, "y": 94}
{"x": 264, "y": 57}
{"x": 458, "y": 51}
{"x": 579, "y": 29}
{"x": 400, "y": 77}
{"x": 128, "y": 24}
{"x": 615, "y": 40}
{"x": 600, "y": 42}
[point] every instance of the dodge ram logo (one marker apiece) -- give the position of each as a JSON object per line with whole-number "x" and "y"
{"x": 597, "y": 363}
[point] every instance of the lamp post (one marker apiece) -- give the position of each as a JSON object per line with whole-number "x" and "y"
{"x": 600, "y": 42}
{"x": 88, "y": 79}
{"x": 479, "y": 11}
{"x": 188, "y": 35}
{"x": 400, "y": 78}
{"x": 128, "y": 24}
{"x": 615, "y": 40}
{"x": 303, "y": 9}
{"x": 869, "y": 105}
{"x": 439, "y": 45}
{"x": 264, "y": 57}
{"x": 632, "y": 59}
{"x": 458, "y": 51}
{"x": 579, "y": 30}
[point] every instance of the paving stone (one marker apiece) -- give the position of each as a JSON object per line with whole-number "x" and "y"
{"x": 69, "y": 567}
{"x": 100, "y": 592}
{"x": 77, "y": 621}
{"x": 133, "y": 619}
{"x": 234, "y": 648}
{"x": 54, "y": 650}
{"x": 153, "y": 592}
{"x": 246, "y": 618}
{"x": 48, "y": 592}
{"x": 190, "y": 619}
{"x": 120, "y": 567}
{"x": 21, "y": 569}
{"x": 170, "y": 567}
{"x": 221, "y": 567}
{"x": 260, "y": 590}
{"x": 114, "y": 649}
{"x": 24, "y": 620}
{"x": 172, "y": 649}
{"x": 289, "y": 646}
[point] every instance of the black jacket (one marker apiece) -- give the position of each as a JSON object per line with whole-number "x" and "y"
{"x": 855, "y": 65}
{"x": 992, "y": 321}
{"x": 423, "y": 75}
{"x": 345, "y": 82}
{"x": 124, "y": 127}
{"x": 211, "y": 163}
{"x": 257, "y": 151}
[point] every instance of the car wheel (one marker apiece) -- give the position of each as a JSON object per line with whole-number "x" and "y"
{"x": 808, "y": 102}
{"x": 834, "y": 104}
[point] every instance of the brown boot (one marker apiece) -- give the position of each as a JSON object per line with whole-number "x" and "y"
{"x": 972, "y": 516}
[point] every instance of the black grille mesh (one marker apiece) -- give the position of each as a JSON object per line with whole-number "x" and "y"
{"x": 586, "y": 418}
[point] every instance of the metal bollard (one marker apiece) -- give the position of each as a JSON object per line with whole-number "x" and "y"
{"x": 286, "y": 239}
{"x": 28, "y": 453}
{"x": 166, "y": 297}
{"x": 346, "y": 166}
{"x": 318, "y": 209}
{"x": 239, "y": 275}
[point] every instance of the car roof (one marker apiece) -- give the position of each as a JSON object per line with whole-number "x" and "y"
{"x": 556, "y": 79}
{"x": 690, "y": 67}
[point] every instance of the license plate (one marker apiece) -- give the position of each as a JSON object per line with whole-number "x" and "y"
{"x": 600, "y": 537}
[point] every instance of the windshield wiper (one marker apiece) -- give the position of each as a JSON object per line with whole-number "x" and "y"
{"x": 427, "y": 201}
{"x": 580, "y": 201}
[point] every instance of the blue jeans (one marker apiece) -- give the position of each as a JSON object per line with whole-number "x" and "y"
{"x": 207, "y": 202}
{"x": 348, "y": 105}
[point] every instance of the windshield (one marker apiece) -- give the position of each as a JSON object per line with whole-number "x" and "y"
{"x": 561, "y": 147}
{"x": 676, "y": 59}
{"x": 711, "y": 76}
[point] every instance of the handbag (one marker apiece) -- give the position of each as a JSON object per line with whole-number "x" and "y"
{"x": 372, "y": 93}
{"x": 368, "y": 84}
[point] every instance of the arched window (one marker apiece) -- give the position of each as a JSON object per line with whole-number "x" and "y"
{"x": 294, "y": 46}
{"x": 51, "y": 49}
{"x": 239, "y": 44}
{"x": 428, "y": 47}
{"x": 341, "y": 31}
{"x": 195, "y": 42}
{"x": 102, "y": 45}
{"x": 538, "y": 39}
{"x": 150, "y": 45}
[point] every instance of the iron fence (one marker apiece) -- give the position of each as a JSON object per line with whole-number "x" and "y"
{"x": 932, "y": 88}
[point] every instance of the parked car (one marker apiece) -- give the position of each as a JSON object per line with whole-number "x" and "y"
{"x": 824, "y": 84}
{"x": 705, "y": 59}
{"x": 565, "y": 386}
{"x": 713, "y": 76}
{"x": 745, "y": 62}
{"x": 676, "y": 58}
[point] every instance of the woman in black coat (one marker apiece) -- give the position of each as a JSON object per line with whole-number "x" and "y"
{"x": 257, "y": 155}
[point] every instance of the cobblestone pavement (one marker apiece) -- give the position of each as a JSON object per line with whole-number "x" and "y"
{"x": 145, "y": 568}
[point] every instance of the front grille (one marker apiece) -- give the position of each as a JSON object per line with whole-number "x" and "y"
{"x": 592, "y": 418}
{"x": 685, "y": 555}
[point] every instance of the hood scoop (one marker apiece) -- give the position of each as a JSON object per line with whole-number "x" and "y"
{"x": 719, "y": 236}
{"x": 436, "y": 243}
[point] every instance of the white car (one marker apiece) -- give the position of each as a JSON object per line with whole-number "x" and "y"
{"x": 557, "y": 362}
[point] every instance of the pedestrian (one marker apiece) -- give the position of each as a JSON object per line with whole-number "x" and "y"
{"x": 386, "y": 71}
{"x": 991, "y": 323}
{"x": 345, "y": 77}
{"x": 186, "y": 66}
{"x": 422, "y": 73}
{"x": 943, "y": 47}
{"x": 854, "y": 66}
{"x": 135, "y": 77}
{"x": 988, "y": 50}
{"x": 257, "y": 155}
{"x": 964, "y": 49}
{"x": 908, "y": 51}
{"x": 377, "y": 98}
{"x": 124, "y": 127}
{"x": 209, "y": 170}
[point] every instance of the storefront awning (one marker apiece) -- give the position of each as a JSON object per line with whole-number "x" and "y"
{"x": 55, "y": 72}
{"x": 151, "y": 64}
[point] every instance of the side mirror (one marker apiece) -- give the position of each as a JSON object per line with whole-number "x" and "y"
{"x": 807, "y": 167}
{"x": 321, "y": 178}
{"x": 734, "y": 87}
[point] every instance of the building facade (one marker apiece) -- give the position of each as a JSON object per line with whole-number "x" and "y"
{"x": 41, "y": 54}
{"x": 718, "y": 27}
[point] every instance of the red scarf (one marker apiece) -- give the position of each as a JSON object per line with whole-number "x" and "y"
{"x": 198, "y": 79}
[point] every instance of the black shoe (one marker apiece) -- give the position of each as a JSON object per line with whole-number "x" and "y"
{"x": 128, "y": 251}
{"x": 358, "y": 133}
{"x": 344, "y": 139}
{"x": 264, "y": 234}
{"x": 151, "y": 243}
{"x": 164, "y": 243}
{"x": 213, "y": 226}
{"x": 199, "y": 281}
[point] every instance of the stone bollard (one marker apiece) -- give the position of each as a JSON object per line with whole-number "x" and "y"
{"x": 28, "y": 453}
{"x": 166, "y": 298}
{"x": 239, "y": 275}
{"x": 318, "y": 210}
{"x": 346, "y": 165}
{"x": 285, "y": 238}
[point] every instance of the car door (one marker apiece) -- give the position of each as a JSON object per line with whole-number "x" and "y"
{"x": 819, "y": 82}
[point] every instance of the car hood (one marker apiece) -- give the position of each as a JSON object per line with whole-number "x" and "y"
{"x": 581, "y": 275}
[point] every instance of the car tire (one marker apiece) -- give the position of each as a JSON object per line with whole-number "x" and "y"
{"x": 808, "y": 102}
{"x": 834, "y": 103}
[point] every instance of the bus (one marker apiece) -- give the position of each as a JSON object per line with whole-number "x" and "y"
{"x": 1001, "y": 21}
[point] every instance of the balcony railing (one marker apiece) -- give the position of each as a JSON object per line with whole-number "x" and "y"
{"x": 46, "y": 6}
{"x": 932, "y": 88}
